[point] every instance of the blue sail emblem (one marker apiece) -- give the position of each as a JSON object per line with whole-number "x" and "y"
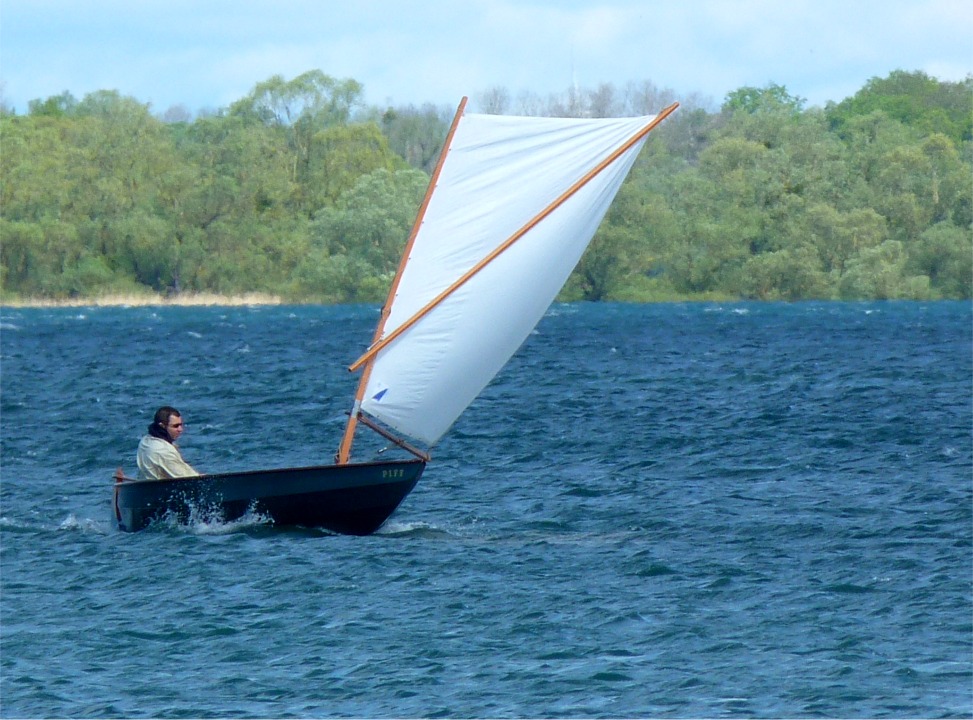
{"x": 380, "y": 394}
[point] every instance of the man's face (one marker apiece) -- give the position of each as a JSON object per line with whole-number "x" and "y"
{"x": 175, "y": 427}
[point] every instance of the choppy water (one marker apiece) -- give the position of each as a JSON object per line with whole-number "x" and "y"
{"x": 671, "y": 510}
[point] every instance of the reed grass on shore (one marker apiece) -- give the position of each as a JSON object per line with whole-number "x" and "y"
{"x": 141, "y": 300}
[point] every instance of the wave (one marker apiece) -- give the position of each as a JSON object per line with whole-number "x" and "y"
{"x": 85, "y": 525}
{"x": 417, "y": 529}
{"x": 12, "y": 525}
{"x": 71, "y": 523}
{"x": 205, "y": 521}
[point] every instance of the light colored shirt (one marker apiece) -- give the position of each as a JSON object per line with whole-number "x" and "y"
{"x": 159, "y": 459}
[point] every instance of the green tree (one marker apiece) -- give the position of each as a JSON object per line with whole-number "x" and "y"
{"x": 341, "y": 155}
{"x": 771, "y": 98}
{"x": 789, "y": 274}
{"x": 356, "y": 246}
{"x": 416, "y": 134}
{"x": 299, "y": 108}
{"x": 297, "y": 189}
{"x": 37, "y": 255}
{"x": 627, "y": 249}
{"x": 145, "y": 248}
{"x": 914, "y": 99}
{"x": 881, "y": 273}
{"x": 54, "y": 106}
{"x": 949, "y": 183}
{"x": 36, "y": 168}
{"x": 840, "y": 237}
{"x": 944, "y": 254}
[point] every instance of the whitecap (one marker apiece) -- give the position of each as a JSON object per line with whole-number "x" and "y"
{"x": 203, "y": 521}
{"x": 73, "y": 522}
{"x": 11, "y": 524}
{"x": 414, "y": 529}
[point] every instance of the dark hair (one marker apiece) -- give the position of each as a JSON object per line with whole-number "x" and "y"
{"x": 160, "y": 424}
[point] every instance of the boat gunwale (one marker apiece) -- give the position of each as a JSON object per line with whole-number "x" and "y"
{"x": 241, "y": 473}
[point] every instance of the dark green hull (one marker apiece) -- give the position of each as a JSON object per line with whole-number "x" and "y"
{"x": 352, "y": 499}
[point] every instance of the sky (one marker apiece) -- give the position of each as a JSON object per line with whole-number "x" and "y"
{"x": 205, "y": 54}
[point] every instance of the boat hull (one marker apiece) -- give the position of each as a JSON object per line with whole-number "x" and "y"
{"x": 352, "y": 499}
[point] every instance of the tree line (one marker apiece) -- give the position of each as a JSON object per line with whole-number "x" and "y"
{"x": 301, "y": 190}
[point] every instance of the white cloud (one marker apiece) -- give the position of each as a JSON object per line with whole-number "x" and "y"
{"x": 207, "y": 54}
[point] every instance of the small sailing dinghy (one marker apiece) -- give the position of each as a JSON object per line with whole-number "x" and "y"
{"x": 510, "y": 208}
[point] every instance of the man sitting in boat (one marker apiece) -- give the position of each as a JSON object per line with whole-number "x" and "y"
{"x": 158, "y": 456}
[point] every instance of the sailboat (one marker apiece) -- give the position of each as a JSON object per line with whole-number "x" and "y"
{"x": 511, "y": 206}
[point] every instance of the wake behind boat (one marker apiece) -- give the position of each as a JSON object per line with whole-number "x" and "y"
{"x": 511, "y": 206}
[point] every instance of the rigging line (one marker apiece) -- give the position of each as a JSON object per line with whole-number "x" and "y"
{"x": 344, "y": 450}
{"x": 462, "y": 280}
{"x": 368, "y": 422}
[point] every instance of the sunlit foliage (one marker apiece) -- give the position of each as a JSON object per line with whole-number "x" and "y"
{"x": 301, "y": 190}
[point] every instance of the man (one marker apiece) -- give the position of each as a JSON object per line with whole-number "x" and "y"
{"x": 158, "y": 456}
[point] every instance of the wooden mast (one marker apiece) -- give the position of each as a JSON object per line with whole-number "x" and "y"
{"x": 377, "y": 346}
{"x": 344, "y": 451}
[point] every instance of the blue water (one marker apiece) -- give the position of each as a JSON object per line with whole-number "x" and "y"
{"x": 747, "y": 510}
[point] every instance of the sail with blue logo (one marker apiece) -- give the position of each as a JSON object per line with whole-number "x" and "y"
{"x": 512, "y": 206}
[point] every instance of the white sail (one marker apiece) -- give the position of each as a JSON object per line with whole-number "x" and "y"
{"x": 499, "y": 174}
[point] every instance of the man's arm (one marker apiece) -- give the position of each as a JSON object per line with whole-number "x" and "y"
{"x": 172, "y": 464}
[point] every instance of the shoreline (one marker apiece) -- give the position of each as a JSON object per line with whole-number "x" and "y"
{"x": 266, "y": 299}
{"x": 187, "y": 300}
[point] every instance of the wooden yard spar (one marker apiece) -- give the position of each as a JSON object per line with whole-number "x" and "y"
{"x": 382, "y": 340}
